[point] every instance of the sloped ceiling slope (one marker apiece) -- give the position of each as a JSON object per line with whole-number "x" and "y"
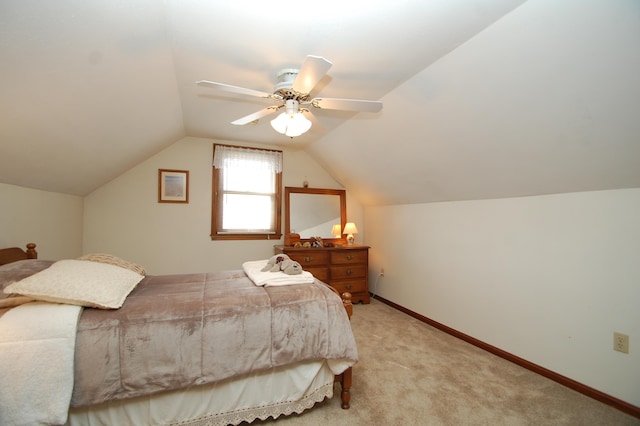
{"x": 90, "y": 89}
{"x": 544, "y": 101}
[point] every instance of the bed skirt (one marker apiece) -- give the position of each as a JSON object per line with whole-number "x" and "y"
{"x": 276, "y": 392}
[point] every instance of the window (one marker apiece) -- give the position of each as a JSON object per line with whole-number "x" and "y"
{"x": 247, "y": 193}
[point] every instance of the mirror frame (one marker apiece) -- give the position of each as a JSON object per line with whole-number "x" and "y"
{"x": 288, "y": 190}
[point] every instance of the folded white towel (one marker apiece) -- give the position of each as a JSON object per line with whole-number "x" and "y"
{"x": 254, "y": 270}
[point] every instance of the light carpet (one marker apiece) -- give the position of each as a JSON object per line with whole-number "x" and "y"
{"x": 410, "y": 373}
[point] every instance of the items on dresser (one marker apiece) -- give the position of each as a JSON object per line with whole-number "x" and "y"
{"x": 344, "y": 268}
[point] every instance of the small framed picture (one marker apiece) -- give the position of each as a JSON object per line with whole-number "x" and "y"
{"x": 173, "y": 186}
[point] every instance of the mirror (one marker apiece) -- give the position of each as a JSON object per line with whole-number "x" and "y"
{"x": 312, "y": 212}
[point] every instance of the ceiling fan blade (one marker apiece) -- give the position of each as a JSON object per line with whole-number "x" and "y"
{"x": 312, "y": 71}
{"x": 235, "y": 89}
{"x": 347, "y": 104}
{"x": 255, "y": 116}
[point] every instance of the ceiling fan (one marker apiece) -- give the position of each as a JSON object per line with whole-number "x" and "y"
{"x": 292, "y": 96}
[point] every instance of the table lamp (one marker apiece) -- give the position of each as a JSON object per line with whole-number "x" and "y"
{"x": 350, "y": 229}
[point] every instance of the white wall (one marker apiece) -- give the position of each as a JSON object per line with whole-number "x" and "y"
{"x": 124, "y": 217}
{"x": 546, "y": 278}
{"x": 51, "y": 220}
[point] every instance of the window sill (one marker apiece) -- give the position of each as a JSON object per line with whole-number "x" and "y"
{"x": 246, "y": 236}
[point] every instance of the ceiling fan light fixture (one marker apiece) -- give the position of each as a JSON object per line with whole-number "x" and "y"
{"x": 292, "y": 122}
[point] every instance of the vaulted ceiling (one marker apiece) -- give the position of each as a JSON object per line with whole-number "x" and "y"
{"x": 482, "y": 98}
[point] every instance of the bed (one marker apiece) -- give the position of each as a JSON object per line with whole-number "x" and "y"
{"x": 191, "y": 349}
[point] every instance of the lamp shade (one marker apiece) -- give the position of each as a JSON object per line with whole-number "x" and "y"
{"x": 350, "y": 228}
{"x": 335, "y": 231}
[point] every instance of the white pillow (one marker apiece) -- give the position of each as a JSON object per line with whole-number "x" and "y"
{"x": 78, "y": 282}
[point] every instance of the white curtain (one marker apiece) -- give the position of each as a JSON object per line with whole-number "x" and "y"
{"x": 237, "y": 157}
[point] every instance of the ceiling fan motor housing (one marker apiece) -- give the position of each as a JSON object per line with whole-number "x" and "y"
{"x": 286, "y": 77}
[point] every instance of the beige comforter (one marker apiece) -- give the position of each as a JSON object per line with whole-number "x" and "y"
{"x": 184, "y": 330}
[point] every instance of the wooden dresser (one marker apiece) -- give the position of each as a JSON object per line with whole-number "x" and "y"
{"x": 344, "y": 268}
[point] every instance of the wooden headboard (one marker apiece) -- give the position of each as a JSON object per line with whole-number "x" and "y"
{"x": 14, "y": 254}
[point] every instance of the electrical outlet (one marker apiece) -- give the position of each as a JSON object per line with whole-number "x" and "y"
{"x": 620, "y": 342}
{"x": 382, "y": 272}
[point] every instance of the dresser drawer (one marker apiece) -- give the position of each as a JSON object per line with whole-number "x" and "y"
{"x": 310, "y": 258}
{"x": 318, "y": 272}
{"x": 348, "y": 257}
{"x": 355, "y": 286}
{"x": 348, "y": 272}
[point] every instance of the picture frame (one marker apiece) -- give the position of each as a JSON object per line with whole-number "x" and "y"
{"x": 173, "y": 186}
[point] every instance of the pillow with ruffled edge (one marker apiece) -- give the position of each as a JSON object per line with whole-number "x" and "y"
{"x": 113, "y": 260}
{"x": 78, "y": 282}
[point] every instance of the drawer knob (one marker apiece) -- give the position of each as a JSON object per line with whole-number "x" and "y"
{"x": 348, "y": 271}
{"x": 349, "y": 257}
{"x": 348, "y": 287}
{"x": 307, "y": 258}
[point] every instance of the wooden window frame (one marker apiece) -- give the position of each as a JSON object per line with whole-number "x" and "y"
{"x": 216, "y": 209}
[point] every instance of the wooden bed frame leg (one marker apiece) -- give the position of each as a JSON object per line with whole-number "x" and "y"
{"x": 346, "y": 376}
{"x": 345, "y": 383}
